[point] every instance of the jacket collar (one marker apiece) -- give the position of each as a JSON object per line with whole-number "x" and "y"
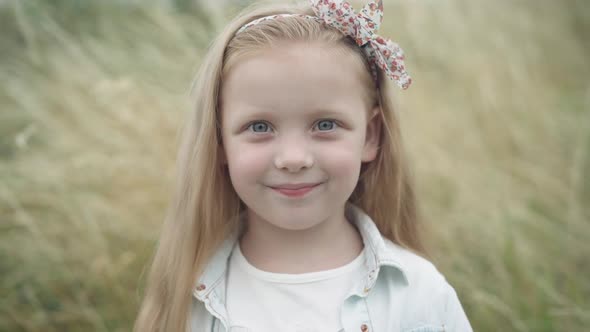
{"x": 377, "y": 254}
{"x": 380, "y": 253}
{"x": 377, "y": 251}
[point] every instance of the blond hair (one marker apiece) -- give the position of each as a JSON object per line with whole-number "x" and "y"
{"x": 204, "y": 205}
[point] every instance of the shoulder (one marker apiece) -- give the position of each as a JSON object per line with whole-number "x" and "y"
{"x": 417, "y": 270}
{"x": 427, "y": 296}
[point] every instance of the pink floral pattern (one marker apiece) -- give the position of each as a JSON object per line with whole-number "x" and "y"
{"x": 362, "y": 27}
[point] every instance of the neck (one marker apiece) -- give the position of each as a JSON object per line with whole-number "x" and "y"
{"x": 330, "y": 244}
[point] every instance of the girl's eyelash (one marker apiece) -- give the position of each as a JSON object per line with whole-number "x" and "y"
{"x": 336, "y": 123}
{"x": 251, "y": 124}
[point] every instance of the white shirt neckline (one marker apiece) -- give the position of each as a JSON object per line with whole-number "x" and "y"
{"x": 296, "y": 278}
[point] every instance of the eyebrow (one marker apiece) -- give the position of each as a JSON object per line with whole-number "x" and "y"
{"x": 264, "y": 114}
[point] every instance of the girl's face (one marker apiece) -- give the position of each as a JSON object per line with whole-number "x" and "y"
{"x": 292, "y": 117}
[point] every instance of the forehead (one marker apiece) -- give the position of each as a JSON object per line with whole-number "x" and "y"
{"x": 295, "y": 77}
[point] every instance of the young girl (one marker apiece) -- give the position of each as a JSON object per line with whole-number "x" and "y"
{"x": 294, "y": 209}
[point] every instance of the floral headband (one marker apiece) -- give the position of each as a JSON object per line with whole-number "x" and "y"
{"x": 362, "y": 27}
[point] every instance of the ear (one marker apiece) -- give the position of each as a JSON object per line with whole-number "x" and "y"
{"x": 372, "y": 136}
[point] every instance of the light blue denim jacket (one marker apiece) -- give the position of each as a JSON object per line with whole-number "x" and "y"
{"x": 401, "y": 291}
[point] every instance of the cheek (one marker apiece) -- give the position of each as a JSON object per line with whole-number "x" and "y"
{"x": 246, "y": 162}
{"x": 342, "y": 160}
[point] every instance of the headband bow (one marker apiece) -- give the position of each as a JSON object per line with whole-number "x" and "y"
{"x": 362, "y": 27}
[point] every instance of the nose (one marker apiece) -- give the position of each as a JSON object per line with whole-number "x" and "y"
{"x": 293, "y": 155}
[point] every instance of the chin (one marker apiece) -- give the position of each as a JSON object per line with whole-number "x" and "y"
{"x": 297, "y": 219}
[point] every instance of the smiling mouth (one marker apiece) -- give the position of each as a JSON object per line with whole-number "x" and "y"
{"x": 299, "y": 191}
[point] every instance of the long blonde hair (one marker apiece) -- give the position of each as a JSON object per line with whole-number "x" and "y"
{"x": 204, "y": 204}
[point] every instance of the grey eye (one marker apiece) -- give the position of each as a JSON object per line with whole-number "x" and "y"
{"x": 325, "y": 125}
{"x": 259, "y": 127}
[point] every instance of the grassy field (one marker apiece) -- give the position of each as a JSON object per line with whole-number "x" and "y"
{"x": 497, "y": 125}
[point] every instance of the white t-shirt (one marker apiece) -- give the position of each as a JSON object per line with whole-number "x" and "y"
{"x": 263, "y": 301}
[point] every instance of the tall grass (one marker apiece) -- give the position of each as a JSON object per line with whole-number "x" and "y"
{"x": 497, "y": 124}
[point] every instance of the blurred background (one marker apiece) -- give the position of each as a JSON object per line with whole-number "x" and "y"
{"x": 497, "y": 125}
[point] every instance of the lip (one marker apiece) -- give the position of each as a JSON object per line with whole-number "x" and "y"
{"x": 296, "y": 190}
